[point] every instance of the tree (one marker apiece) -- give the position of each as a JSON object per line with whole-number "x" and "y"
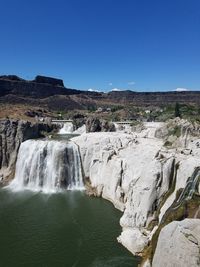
{"x": 177, "y": 112}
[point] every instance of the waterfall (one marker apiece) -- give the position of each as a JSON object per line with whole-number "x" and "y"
{"x": 48, "y": 166}
{"x": 67, "y": 128}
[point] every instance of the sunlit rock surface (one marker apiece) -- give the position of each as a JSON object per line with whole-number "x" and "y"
{"x": 178, "y": 245}
{"x": 139, "y": 174}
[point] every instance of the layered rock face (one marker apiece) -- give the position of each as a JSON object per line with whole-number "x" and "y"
{"x": 127, "y": 170}
{"x": 49, "y": 80}
{"x": 143, "y": 177}
{"x": 40, "y": 87}
{"x": 52, "y": 93}
{"x": 12, "y": 134}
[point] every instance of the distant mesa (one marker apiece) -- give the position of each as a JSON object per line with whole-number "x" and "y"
{"x": 49, "y": 80}
{"x": 11, "y": 78}
{"x": 38, "y": 79}
{"x": 50, "y": 93}
{"x": 41, "y": 87}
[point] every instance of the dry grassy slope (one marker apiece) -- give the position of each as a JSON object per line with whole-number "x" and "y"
{"x": 18, "y": 95}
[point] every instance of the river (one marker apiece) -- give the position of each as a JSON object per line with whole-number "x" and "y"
{"x": 66, "y": 229}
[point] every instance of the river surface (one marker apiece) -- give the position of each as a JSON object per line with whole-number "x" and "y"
{"x": 60, "y": 230}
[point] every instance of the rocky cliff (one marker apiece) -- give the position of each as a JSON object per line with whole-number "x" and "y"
{"x": 39, "y": 88}
{"x": 152, "y": 175}
{"x": 12, "y": 134}
{"x": 50, "y": 92}
{"x": 99, "y": 125}
{"x": 151, "y": 181}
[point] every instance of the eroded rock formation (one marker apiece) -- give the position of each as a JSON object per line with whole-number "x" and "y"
{"x": 152, "y": 175}
{"x": 151, "y": 182}
{"x": 97, "y": 125}
{"x": 52, "y": 93}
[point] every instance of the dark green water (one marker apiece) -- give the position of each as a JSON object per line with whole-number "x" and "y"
{"x": 60, "y": 230}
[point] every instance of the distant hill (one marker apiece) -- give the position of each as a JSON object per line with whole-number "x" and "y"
{"x": 51, "y": 93}
{"x": 40, "y": 87}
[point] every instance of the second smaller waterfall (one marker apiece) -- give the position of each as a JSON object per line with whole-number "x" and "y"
{"x": 67, "y": 128}
{"x": 48, "y": 166}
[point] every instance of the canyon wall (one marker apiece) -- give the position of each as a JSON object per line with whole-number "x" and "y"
{"x": 50, "y": 92}
{"x": 153, "y": 181}
{"x": 40, "y": 87}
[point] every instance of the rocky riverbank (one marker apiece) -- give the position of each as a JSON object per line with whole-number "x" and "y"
{"x": 143, "y": 174}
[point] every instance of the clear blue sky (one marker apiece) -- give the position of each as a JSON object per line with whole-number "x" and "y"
{"x": 143, "y": 45}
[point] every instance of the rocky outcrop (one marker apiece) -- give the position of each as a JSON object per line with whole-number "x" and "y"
{"x": 144, "y": 179}
{"x": 39, "y": 88}
{"x": 49, "y": 80}
{"x": 14, "y": 90}
{"x": 12, "y": 134}
{"x": 179, "y": 245}
{"x": 128, "y": 171}
{"x": 153, "y": 184}
{"x": 11, "y": 78}
{"x": 97, "y": 125}
{"x": 178, "y": 132}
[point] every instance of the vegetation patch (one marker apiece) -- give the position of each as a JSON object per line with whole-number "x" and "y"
{"x": 168, "y": 144}
{"x": 176, "y": 131}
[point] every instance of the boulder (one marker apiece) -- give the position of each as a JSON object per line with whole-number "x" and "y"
{"x": 99, "y": 125}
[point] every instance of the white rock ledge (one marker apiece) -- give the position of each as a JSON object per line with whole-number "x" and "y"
{"x": 133, "y": 171}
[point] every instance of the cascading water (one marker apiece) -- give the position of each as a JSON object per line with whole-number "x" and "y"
{"x": 67, "y": 128}
{"x": 48, "y": 166}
